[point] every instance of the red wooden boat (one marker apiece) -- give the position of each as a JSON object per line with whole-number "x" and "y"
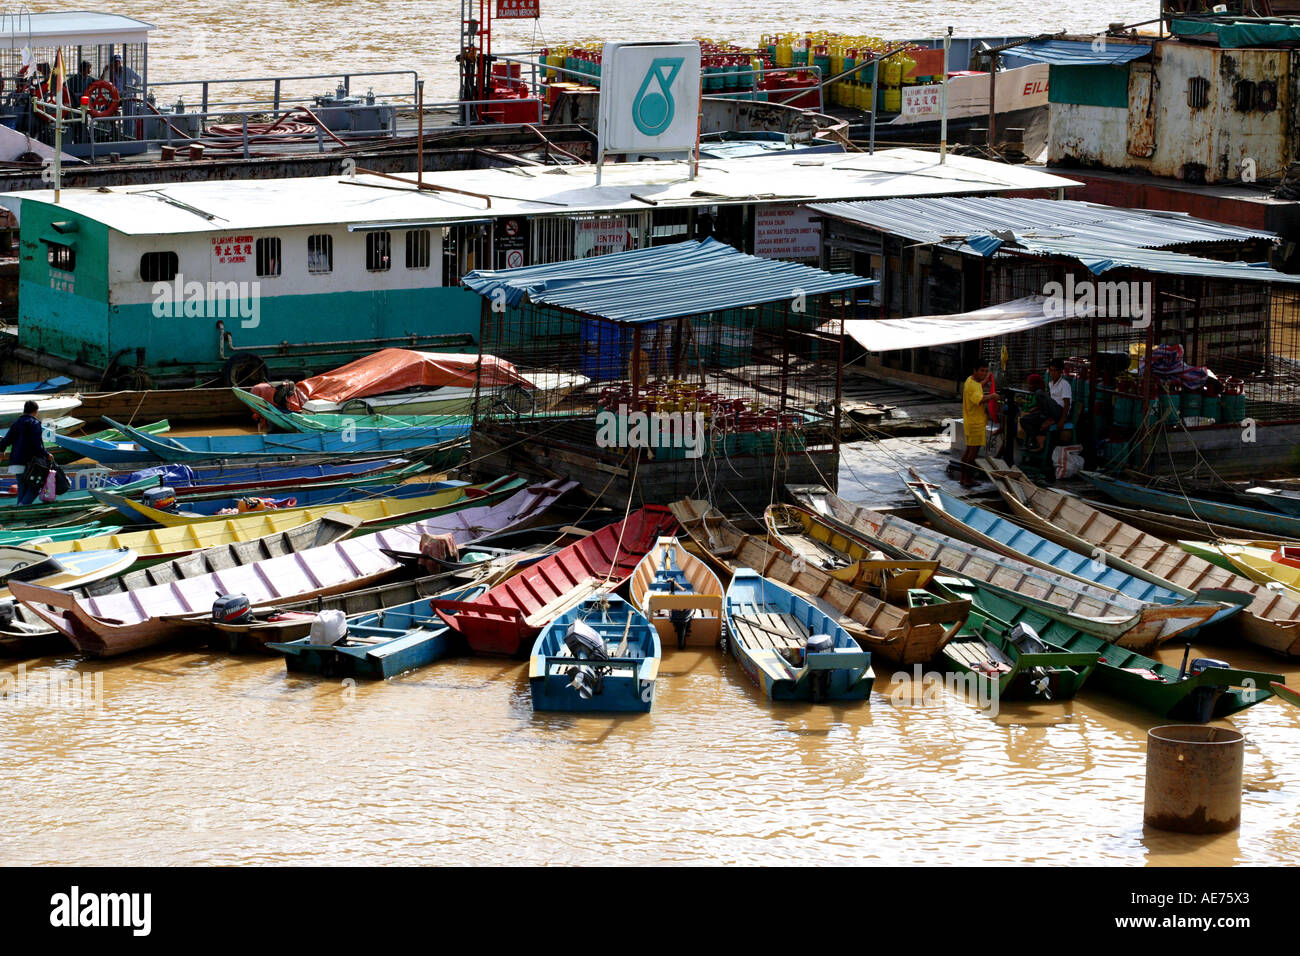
{"x": 117, "y": 623}
{"x": 508, "y": 618}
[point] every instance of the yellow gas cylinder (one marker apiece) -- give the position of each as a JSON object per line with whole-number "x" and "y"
{"x": 784, "y": 51}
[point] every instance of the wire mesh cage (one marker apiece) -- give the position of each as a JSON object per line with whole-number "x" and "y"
{"x": 752, "y": 381}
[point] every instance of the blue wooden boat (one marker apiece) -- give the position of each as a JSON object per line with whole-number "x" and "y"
{"x": 992, "y": 531}
{"x": 255, "y": 475}
{"x": 790, "y": 648}
{"x": 37, "y": 388}
{"x": 353, "y": 443}
{"x": 307, "y": 496}
{"x": 1269, "y": 523}
{"x": 383, "y": 643}
{"x": 599, "y": 657}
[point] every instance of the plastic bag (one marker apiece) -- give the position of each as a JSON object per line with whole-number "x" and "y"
{"x": 1067, "y": 460}
{"x": 48, "y": 493}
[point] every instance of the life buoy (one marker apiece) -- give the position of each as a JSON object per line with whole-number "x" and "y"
{"x": 104, "y": 98}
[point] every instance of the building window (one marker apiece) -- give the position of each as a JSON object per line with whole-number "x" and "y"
{"x": 159, "y": 266}
{"x": 61, "y": 256}
{"x": 320, "y": 254}
{"x": 1198, "y": 92}
{"x": 268, "y": 257}
{"x": 418, "y": 245}
{"x": 379, "y": 251}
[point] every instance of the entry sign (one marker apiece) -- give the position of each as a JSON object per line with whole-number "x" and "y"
{"x": 518, "y": 9}
{"x": 649, "y": 97}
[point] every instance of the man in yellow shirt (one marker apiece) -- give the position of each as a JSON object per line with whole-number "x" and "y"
{"x": 974, "y": 418}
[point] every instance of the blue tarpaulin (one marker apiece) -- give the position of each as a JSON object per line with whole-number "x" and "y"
{"x": 1102, "y": 51}
{"x": 660, "y": 282}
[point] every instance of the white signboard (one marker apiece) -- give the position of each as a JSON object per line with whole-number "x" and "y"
{"x": 649, "y": 97}
{"x": 921, "y": 100}
{"x": 1022, "y": 88}
{"x": 598, "y": 237}
{"x": 786, "y": 232}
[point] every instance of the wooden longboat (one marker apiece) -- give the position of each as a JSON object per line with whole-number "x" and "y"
{"x": 120, "y": 623}
{"x": 612, "y": 670}
{"x": 1112, "y": 616}
{"x": 679, "y": 595}
{"x": 381, "y": 645}
{"x": 894, "y": 632}
{"x": 974, "y": 524}
{"x": 1271, "y": 620}
{"x": 791, "y": 648}
{"x": 509, "y": 617}
{"x": 1197, "y": 693}
{"x": 797, "y": 533}
{"x": 26, "y": 633}
{"x": 1013, "y": 663}
{"x": 1201, "y": 509}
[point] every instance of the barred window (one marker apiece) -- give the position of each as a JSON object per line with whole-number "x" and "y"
{"x": 379, "y": 251}
{"x": 267, "y": 252}
{"x": 418, "y": 245}
{"x": 320, "y": 254}
{"x": 159, "y": 266}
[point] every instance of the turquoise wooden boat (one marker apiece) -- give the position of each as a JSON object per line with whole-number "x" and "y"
{"x": 381, "y": 644}
{"x": 64, "y": 453}
{"x": 334, "y": 421}
{"x": 599, "y": 657}
{"x": 790, "y": 648}
{"x": 353, "y": 443}
{"x": 1197, "y": 694}
{"x": 1003, "y": 536}
{"x": 29, "y": 536}
{"x": 1009, "y": 661}
{"x": 1269, "y": 523}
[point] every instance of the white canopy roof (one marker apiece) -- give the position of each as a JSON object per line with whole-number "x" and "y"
{"x": 75, "y": 28}
{"x": 885, "y": 335}
{"x": 223, "y": 205}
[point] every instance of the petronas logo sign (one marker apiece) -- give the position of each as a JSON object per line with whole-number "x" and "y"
{"x": 654, "y": 108}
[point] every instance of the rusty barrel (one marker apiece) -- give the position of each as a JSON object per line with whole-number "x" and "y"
{"x": 1194, "y": 778}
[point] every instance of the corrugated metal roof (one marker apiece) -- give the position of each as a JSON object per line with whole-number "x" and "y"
{"x": 1098, "y": 259}
{"x": 953, "y": 219}
{"x": 1101, "y": 52}
{"x": 660, "y": 282}
{"x": 70, "y": 28}
{"x": 223, "y": 206}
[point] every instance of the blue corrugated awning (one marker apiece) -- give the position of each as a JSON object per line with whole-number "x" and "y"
{"x": 1098, "y": 259}
{"x": 1100, "y": 52}
{"x": 660, "y": 282}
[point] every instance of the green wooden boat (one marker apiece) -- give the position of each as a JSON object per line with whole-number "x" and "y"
{"x": 335, "y": 421}
{"x": 1200, "y": 695}
{"x": 63, "y": 456}
{"x": 1009, "y": 662}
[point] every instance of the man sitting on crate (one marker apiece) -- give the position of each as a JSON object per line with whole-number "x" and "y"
{"x": 1043, "y": 414}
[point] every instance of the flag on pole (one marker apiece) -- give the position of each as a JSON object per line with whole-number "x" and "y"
{"x": 56, "y": 79}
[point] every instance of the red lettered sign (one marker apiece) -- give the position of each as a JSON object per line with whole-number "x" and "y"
{"x": 518, "y": 9}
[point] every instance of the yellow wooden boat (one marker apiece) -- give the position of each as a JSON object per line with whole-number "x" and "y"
{"x": 802, "y": 535}
{"x": 160, "y": 544}
{"x": 373, "y": 512}
{"x": 1253, "y": 559}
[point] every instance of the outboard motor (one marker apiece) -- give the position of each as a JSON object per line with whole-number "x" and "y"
{"x": 231, "y": 609}
{"x": 328, "y": 629}
{"x": 584, "y": 643}
{"x": 1027, "y": 641}
{"x": 680, "y": 617}
{"x": 161, "y": 498}
{"x": 6, "y": 613}
{"x": 1205, "y": 663}
{"x": 821, "y": 680}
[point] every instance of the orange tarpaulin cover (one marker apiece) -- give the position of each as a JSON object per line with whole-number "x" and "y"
{"x": 393, "y": 370}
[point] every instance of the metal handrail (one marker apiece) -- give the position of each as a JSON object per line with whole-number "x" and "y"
{"x": 278, "y": 82}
